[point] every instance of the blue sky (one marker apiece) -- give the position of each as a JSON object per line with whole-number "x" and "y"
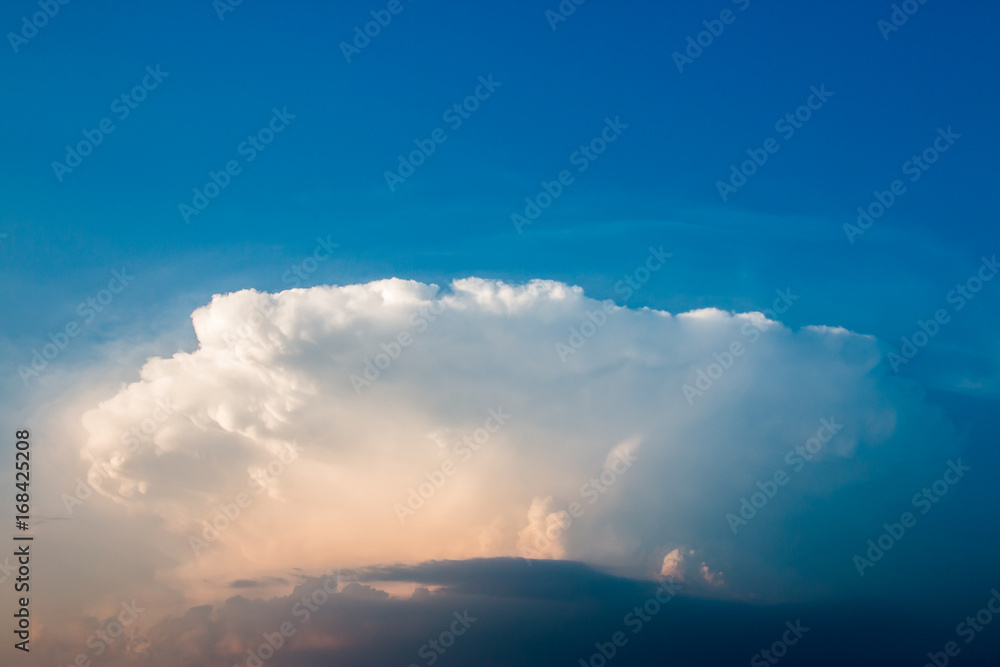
{"x": 344, "y": 124}
{"x": 325, "y": 174}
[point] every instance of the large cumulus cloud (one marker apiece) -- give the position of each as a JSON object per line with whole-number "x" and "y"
{"x": 398, "y": 422}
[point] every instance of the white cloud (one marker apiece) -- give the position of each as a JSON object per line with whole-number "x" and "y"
{"x": 273, "y": 373}
{"x": 681, "y": 566}
{"x": 671, "y": 566}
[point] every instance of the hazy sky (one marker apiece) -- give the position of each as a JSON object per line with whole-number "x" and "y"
{"x": 527, "y": 312}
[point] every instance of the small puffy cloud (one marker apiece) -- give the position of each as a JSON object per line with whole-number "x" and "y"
{"x": 542, "y": 537}
{"x": 679, "y": 566}
{"x": 671, "y": 566}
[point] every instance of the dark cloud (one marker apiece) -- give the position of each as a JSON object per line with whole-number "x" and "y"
{"x": 510, "y": 612}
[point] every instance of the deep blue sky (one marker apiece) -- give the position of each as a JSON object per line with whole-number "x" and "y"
{"x": 324, "y": 175}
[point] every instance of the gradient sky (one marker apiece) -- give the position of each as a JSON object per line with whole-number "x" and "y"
{"x": 321, "y": 183}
